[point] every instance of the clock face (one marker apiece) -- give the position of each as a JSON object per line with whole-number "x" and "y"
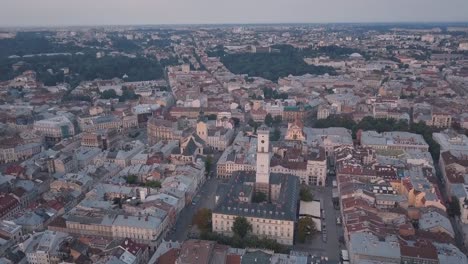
{"x": 263, "y": 141}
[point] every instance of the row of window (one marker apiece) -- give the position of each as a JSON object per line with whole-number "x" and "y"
{"x": 258, "y": 220}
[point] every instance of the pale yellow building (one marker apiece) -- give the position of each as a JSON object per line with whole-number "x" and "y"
{"x": 295, "y": 131}
{"x": 280, "y": 230}
{"x": 441, "y": 120}
{"x": 273, "y": 218}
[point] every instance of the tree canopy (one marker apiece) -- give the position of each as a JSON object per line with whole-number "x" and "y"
{"x": 268, "y": 120}
{"x": 269, "y": 93}
{"x": 208, "y": 164}
{"x": 276, "y": 135}
{"x": 241, "y": 226}
{"x": 305, "y": 194}
{"x": 109, "y": 94}
{"x": 272, "y": 66}
{"x": 132, "y": 179}
{"x": 454, "y": 207}
{"x": 85, "y": 68}
{"x": 25, "y": 43}
{"x": 306, "y": 227}
{"x": 202, "y": 219}
{"x": 153, "y": 184}
{"x": 248, "y": 242}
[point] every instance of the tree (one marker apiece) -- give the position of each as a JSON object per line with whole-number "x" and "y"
{"x": 454, "y": 207}
{"x": 268, "y": 120}
{"x": 241, "y": 226}
{"x": 336, "y": 121}
{"x": 212, "y": 117}
{"x": 238, "y": 242}
{"x": 259, "y": 197}
{"x": 305, "y": 194}
{"x": 109, "y": 94}
{"x": 208, "y": 164}
{"x": 251, "y": 122}
{"x": 306, "y": 227}
{"x": 236, "y": 121}
{"x": 273, "y": 66}
{"x": 127, "y": 94}
{"x": 153, "y": 184}
{"x": 276, "y": 135}
{"x": 254, "y": 125}
{"x": 202, "y": 219}
{"x": 277, "y": 120}
{"x": 132, "y": 179}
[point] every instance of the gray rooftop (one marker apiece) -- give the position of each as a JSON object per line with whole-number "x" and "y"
{"x": 284, "y": 209}
{"x": 369, "y": 245}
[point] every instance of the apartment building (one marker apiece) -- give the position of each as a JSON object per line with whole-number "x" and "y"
{"x": 55, "y": 128}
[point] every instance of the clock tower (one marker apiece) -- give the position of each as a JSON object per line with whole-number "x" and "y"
{"x": 263, "y": 156}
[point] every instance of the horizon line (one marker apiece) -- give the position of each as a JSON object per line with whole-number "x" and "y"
{"x": 235, "y": 24}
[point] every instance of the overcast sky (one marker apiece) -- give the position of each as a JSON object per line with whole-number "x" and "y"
{"x": 97, "y": 12}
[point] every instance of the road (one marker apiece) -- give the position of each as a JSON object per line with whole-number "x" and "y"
{"x": 318, "y": 246}
{"x": 332, "y": 243}
{"x": 206, "y": 200}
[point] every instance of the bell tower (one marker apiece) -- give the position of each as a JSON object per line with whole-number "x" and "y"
{"x": 263, "y": 156}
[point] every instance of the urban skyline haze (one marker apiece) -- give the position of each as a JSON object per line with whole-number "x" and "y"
{"x": 119, "y": 12}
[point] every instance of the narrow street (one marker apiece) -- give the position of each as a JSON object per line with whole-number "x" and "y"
{"x": 206, "y": 199}
{"x": 324, "y": 243}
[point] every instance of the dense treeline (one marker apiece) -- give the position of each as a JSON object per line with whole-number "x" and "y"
{"x": 333, "y": 51}
{"x": 283, "y": 61}
{"x": 86, "y": 67}
{"x": 383, "y": 125}
{"x": 32, "y": 43}
{"x": 124, "y": 45}
{"x": 271, "y": 66}
{"x": 82, "y": 67}
{"x": 160, "y": 43}
{"x": 269, "y": 93}
{"x": 127, "y": 94}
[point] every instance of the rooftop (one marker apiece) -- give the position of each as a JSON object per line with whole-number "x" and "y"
{"x": 284, "y": 209}
{"x": 370, "y": 245}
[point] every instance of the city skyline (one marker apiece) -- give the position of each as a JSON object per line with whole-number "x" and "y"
{"x": 145, "y": 12}
{"x": 200, "y": 132}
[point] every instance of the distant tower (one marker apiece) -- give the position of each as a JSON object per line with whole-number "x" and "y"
{"x": 263, "y": 156}
{"x": 186, "y": 68}
{"x": 202, "y": 127}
